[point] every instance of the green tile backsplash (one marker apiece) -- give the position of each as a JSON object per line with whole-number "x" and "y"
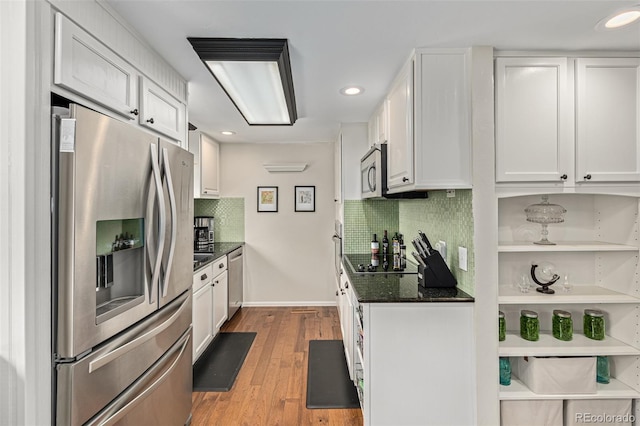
{"x": 364, "y": 218}
{"x": 441, "y": 218}
{"x": 228, "y": 214}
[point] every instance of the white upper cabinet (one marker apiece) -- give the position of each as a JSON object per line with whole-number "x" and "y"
{"x": 206, "y": 165}
{"x": 532, "y": 143}
{"x": 160, "y": 111}
{"x": 86, "y": 67}
{"x": 567, "y": 122}
{"x": 608, "y": 119}
{"x": 429, "y": 133}
{"x": 400, "y": 130}
{"x": 378, "y": 124}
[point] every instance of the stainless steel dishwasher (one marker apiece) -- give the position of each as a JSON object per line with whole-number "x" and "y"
{"x": 234, "y": 267}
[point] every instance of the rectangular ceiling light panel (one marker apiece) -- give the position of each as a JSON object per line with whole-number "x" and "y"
{"x": 255, "y": 74}
{"x": 256, "y": 89}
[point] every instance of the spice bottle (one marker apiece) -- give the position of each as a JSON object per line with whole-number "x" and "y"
{"x": 502, "y": 326}
{"x": 593, "y": 322}
{"x": 562, "y": 325}
{"x": 529, "y": 325}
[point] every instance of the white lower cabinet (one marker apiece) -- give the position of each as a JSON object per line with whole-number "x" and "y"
{"x": 210, "y": 302}
{"x": 220, "y": 300}
{"x": 597, "y": 250}
{"x": 202, "y": 313}
{"x": 345, "y": 310}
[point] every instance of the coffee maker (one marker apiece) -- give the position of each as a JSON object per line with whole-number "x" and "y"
{"x": 203, "y": 234}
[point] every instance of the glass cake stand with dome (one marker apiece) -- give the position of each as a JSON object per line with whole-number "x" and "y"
{"x": 545, "y": 213}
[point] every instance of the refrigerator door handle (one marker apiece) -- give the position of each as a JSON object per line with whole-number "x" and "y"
{"x": 161, "y": 228}
{"x": 121, "y": 350}
{"x": 174, "y": 220}
{"x": 132, "y": 397}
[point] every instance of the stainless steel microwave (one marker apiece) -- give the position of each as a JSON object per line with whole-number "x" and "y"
{"x": 373, "y": 172}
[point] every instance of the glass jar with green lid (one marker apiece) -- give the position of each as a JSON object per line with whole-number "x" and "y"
{"x": 502, "y": 326}
{"x": 593, "y": 322}
{"x": 562, "y": 325}
{"x": 529, "y": 325}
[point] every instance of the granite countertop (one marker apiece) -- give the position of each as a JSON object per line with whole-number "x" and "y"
{"x": 219, "y": 250}
{"x": 400, "y": 288}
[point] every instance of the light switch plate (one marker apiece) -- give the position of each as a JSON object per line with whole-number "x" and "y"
{"x": 451, "y": 193}
{"x": 462, "y": 258}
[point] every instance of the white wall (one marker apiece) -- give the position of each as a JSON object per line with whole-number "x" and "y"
{"x": 289, "y": 255}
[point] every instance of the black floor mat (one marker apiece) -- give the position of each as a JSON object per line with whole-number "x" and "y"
{"x": 328, "y": 383}
{"x": 218, "y": 366}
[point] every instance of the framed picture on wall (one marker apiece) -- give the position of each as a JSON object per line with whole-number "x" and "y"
{"x": 268, "y": 199}
{"x": 305, "y": 197}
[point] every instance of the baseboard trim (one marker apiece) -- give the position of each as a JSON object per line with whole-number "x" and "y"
{"x": 286, "y": 304}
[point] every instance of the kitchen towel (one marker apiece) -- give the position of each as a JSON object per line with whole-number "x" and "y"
{"x": 328, "y": 382}
{"x": 219, "y": 364}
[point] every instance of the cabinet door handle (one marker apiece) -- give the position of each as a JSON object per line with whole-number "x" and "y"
{"x": 405, "y": 179}
{"x": 203, "y": 277}
{"x": 563, "y": 177}
{"x": 134, "y": 112}
{"x": 150, "y": 121}
{"x": 588, "y": 177}
{"x": 336, "y": 292}
{"x": 346, "y": 285}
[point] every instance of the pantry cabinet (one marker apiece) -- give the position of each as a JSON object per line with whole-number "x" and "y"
{"x": 607, "y": 94}
{"x": 533, "y": 139}
{"x": 429, "y": 133}
{"x": 206, "y": 165}
{"x": 567, "y": 121}
{"x": 596, "y": 253}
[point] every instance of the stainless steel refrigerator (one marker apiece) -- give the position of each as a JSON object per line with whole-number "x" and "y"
{"x": 122, "y": 222}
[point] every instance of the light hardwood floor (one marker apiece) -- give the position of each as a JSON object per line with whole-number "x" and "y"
{"x": 271, "y": 387}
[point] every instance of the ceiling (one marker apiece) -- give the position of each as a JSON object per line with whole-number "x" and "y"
{"x": 338, "y": 43}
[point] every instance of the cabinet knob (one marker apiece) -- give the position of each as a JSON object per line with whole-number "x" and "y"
{"x": 221, "y": 265}
{"x": 150, "y": 121}
{"x": 588, "y": 177}
{"x": 215, "y": 282}
{"x": 563, "y": 177}
{"x": 405, "y": 179}
{"x": 346, "y": 285}
{"x": 134, "y": 112}
{"x": 203, "y": 277}
{"x": 336, "y": 292}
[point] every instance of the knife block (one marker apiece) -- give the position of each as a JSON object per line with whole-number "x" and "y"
{"x": 436, "y": 273}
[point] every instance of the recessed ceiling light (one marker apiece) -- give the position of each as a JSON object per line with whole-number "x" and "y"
{"x": 228, "y": 132}
{"x": 351, "y": 90}
{"x": 620, "y": 19}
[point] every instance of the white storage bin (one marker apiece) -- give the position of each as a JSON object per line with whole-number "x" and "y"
{"x": 578, "y": 412}
{"x": 531, "y": 413}
{"x": 557, "y": 376}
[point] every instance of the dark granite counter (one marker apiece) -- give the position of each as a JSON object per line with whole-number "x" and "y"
{"x": 219, "y": 250}
{"x": 400, "y": 288}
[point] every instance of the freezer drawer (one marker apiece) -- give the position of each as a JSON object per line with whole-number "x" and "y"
{"x": 86, "y": 386}
{"x": 161, "y": 397}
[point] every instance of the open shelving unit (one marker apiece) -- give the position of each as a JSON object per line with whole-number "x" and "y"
{"x": 597, "y": 246}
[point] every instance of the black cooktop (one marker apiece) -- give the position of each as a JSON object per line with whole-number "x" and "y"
{"x": 365, "y": 264}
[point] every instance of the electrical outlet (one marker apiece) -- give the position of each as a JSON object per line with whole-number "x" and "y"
{"x": 462, "y": 258}
{"x": 451, "y": 193}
